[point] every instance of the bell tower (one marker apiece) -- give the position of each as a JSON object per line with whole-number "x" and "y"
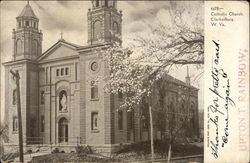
{"x": 27, "y": 40}
{"x": 104, "y": 22}
{"x": 26, "y": 37}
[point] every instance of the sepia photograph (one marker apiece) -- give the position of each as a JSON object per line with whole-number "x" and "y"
{"x": 102, "y": 81}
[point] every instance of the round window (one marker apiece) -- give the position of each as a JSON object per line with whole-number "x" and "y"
{"x": 94, "y": 66}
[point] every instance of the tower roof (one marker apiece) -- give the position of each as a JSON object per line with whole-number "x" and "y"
{"x": 27, "y": 12}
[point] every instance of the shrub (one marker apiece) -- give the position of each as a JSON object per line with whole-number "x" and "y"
{"x": 83, "y": 150}
{"x": 29, "y": 151}
{"x": 161, "y": 147}
{"x": 56, "y": 150}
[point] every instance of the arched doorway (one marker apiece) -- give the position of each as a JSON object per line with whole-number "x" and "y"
{"x": 63, "y": 130}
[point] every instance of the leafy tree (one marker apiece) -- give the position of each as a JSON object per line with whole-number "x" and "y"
{"x": 135, "y": 70}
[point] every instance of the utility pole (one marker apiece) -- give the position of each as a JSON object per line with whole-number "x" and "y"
{"x": 20, "y": 131}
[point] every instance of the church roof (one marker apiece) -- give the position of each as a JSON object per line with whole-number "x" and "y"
{"x": 27, "y": 12}
{"x": 57, "y": 44}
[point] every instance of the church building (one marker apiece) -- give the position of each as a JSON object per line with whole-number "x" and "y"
{"x": 62, "y": 103}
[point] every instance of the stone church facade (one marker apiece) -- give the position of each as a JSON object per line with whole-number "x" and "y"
{"x": 62, "y": 104}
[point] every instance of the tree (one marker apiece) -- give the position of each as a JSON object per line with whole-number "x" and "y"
{"x": 134, "y": 70}
{"x": 4, "y": 133}
{"x": 3, "y": 137}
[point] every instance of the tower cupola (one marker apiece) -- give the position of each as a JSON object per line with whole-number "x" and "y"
{"x": 27, "y": 37}
{"x": 27, "y": 18}
{"x": 104, "y": 3}
{"x": 104, "y": 22}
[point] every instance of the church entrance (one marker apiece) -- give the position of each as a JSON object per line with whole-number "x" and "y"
{"x": 63, "y": 130}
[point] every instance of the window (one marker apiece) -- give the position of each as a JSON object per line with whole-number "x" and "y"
{"x": 94, "y": 121}
{"x": 62, "y": 71}
{"x": 34, "y": 24}
{"x": 183, "y": 106}
{"x": 94, "y": 90}
{"x": 97, "y": 3}
{"x": 19, "y": 24}
{"x": 192, "y": 108}
{"x": 145, "y": 123}
{"x": 76, "y": 66}
{"x": 94, "y": 66}
{"x": 26, "y": 23}
{"x": 120, "y": 95}
{"x": 57, "y": 72}
{"x": 130, "y": 115}
{"x": 42, "y": 123}
{"x": 116, "y": 30}
{"x": 120, "y": 119}
{"x": 14, "y": 97}
{"x": 66, "y": 71}
{"x": 97, "y": 30}
{"x": 42, "y": 97}
{"x": 35, "y": 47}
{"x": 15, "y": 124}
{"x": 19, "y": 47}
{"x": 106, "y": 3}
{"x": 47, "y": 75}
{"x": 63, "y": 134}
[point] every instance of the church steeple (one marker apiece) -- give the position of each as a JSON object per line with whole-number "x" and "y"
{"x": 104, "y": 22}
{"x": 188, "y": 82}
{"x": 27, "y": 37}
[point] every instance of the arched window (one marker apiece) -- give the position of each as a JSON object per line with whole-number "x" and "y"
{"x": 97, "y": 30}
{"x": 63, "y": 130}
{"x": 19, "y": 47}
{"x": 42, "y": 123}
{"x": 15, "y": 124}
{"x": 42, "y": 97}
{"x": 191, "y": 108}
{"x": 193, "y": 114}
{"x": 115, "y": 27}
{"x": 57, "y": 72}
{"x": 172, "y": 111}
{"x": 130, "y": 121}
{"x": 27, "y": 23}
{"x": 106, "y": 3}
{"x": 63, "y": 101}
{"x": 14, "y": 97}
{"x": 97, "y": 3}
{"x": 120, "y": 119}
{"x": 192, "y": 121}
{"x": 94, "y": 90}
{"x": 183, "y": 106}
{"x": 94, "y": 121}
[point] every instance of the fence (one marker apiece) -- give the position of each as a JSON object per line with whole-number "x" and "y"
{"x": 59, "y": 141}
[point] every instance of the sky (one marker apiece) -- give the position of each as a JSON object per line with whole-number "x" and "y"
{"x": 70, "y": 17}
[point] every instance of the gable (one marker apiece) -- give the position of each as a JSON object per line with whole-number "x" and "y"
{"x": 58, "y": 51}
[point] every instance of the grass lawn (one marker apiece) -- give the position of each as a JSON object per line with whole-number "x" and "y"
{"x": 133, "y": 152}
{"x": 71, "y": 157}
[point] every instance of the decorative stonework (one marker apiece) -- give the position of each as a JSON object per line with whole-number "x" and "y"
{"x": 94, "y": 66}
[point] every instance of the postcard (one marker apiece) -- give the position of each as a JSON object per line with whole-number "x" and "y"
{"x": 124, "y": 81}
{"x": 226, "y": 82}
